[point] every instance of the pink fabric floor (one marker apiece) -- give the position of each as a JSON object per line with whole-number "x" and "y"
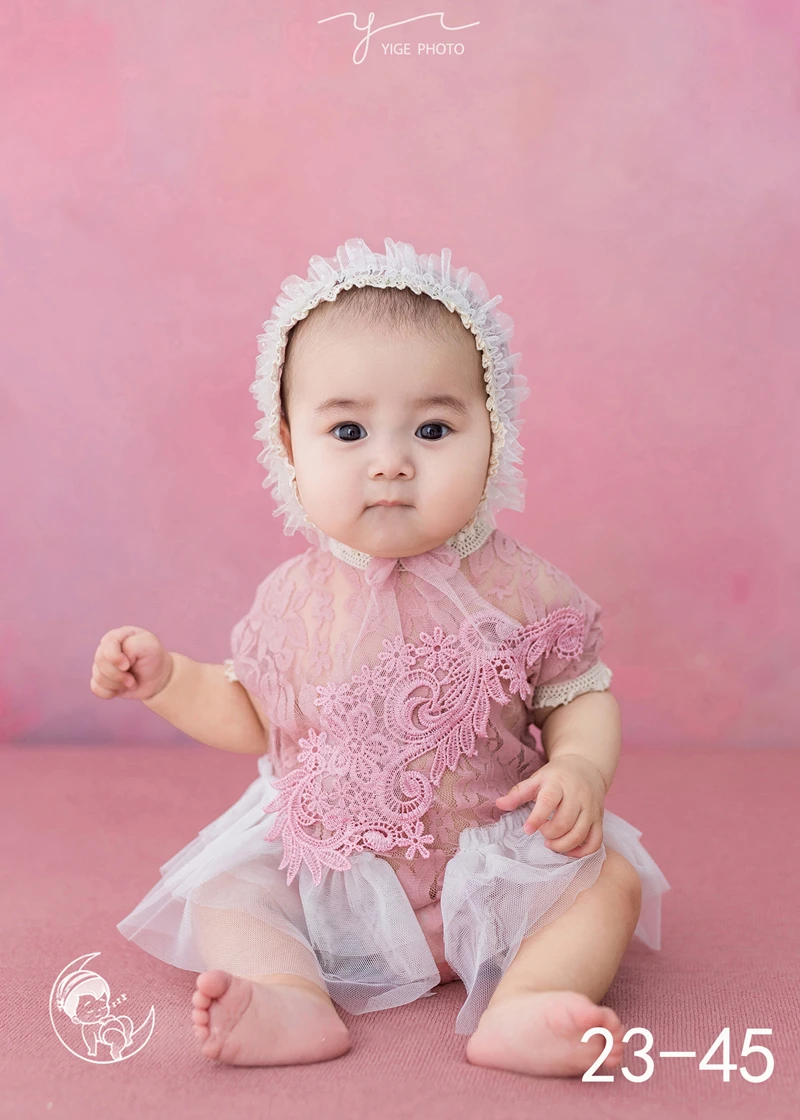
{"x": 86, "y": 828}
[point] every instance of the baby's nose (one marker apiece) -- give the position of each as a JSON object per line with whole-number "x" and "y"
{"x": 391, "y": 462}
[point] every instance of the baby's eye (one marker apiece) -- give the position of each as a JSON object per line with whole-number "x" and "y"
{"x": 350, "y": 431}
{"x": 434, "y": 423}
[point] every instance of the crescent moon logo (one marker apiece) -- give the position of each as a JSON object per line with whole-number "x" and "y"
{"x": 85, "y": 1020}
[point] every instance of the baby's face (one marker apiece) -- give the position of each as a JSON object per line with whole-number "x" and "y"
{"x": 364, "y": 428}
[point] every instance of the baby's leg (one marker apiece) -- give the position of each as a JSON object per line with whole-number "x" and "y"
{"x": 263, "y": 999}
{"x": 546, "y": 1000}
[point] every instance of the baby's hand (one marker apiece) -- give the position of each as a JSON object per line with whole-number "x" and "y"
{"x": 574, "y": 789}
{"x": 130, "y": 662}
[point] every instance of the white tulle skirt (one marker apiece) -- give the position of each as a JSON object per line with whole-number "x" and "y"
{"x": 221, "y": 902}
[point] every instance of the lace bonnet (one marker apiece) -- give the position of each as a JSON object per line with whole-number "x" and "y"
{"x": 461, "y": 291}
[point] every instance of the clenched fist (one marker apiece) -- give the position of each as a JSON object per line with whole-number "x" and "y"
{"x": 130, "y": 662}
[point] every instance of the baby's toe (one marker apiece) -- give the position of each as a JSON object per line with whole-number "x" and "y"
{"x": 577, "y": 1011}
{"x": 214, "y": 983}
{"x": 612, "y": 1022}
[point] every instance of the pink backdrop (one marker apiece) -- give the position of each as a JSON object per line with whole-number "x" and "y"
{"x": 625, "y": 174}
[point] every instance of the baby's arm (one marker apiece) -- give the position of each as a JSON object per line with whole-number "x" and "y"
{"x": 200, "y": 700}
{"x": 590, "y": 726}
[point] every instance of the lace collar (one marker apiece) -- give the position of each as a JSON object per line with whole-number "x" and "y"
{"x": 466, "y": 540}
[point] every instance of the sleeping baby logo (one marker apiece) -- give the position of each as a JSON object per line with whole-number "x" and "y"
{"x": 83, "y": 996}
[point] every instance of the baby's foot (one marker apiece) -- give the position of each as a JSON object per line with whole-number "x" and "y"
{"x": 540, "y": 1033}
{"x": 245, "y": 1023}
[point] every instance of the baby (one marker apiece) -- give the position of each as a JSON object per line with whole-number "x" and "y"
{"x": 388, "y": 678}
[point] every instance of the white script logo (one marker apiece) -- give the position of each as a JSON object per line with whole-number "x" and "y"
{"x": 370, "y": 31}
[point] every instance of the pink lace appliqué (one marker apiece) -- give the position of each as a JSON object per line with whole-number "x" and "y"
{"x": 353, "y": 781}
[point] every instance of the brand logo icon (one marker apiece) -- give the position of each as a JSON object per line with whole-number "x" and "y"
{"x": 82, "y": 997}
{"x": 394, "y": 48}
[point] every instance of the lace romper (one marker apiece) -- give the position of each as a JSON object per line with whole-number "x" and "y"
{"x": 369, "y": 854}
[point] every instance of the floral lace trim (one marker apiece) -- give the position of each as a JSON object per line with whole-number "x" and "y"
{"x": 596, "y": 679}
{"x": 353, "y": 789}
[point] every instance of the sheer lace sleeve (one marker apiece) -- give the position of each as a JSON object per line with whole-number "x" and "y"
{"x": 572, "y": 664}
{"x": 246, "y": 638}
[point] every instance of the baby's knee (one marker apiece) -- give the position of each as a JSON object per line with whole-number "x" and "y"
{"x": 624, "y": 876}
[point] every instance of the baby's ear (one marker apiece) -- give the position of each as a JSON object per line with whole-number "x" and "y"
{"x": 286, "y": 438}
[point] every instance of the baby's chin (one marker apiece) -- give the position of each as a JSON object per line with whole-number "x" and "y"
{"x": 388, "y": 532}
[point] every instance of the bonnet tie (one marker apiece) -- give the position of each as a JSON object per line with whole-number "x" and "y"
{"x": 381, "y": 570}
